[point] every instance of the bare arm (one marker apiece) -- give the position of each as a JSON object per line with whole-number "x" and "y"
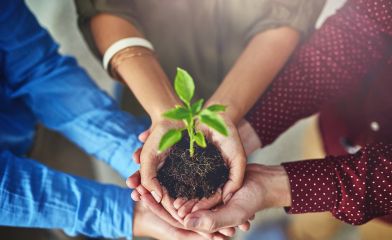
{"x": 254, "y": 70}
{"x": 143, "y": 74}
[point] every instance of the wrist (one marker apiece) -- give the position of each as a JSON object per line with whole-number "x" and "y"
{"x": 150, "y": 85}
{"x": 275, "y": 183}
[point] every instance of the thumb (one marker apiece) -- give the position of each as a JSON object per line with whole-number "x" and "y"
{"x": 154, "y": 188}
{"x": 236, "y": 176}
{"x": 148, "y": 174}
{"x": 151, "y": 183}
{"x": 144, "y": 135}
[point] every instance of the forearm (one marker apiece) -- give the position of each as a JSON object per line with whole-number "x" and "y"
{"x": 274, "y": 181}
{"x": 354, "y": 188}
{"x": 143, "y": 74}
{"x": 324, "y": 69}
{"x": 33, "y": 195}
{"x": 62, "y": 96}
{"x": 254, "y": 70}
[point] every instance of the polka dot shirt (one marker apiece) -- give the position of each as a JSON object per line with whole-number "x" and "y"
{"x": 354, "y": 188}
{"x": 335, "y": 60}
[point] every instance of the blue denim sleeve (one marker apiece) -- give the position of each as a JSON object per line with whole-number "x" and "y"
{"x": 60, "y": 94}
{"x": 32, "y": 195}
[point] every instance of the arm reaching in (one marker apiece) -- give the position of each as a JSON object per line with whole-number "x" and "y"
{"x": 61, "y": 95}
{"x": 354, "y": 188}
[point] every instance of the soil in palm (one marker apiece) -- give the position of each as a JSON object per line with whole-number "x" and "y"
{"x": 193, "y": 177}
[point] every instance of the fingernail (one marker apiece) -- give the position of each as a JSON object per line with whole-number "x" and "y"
{"x": 156, "y": 196}
{"x": 192, "y": 222}
{"x": 227, "y": 198}
{"x": 195, "y": 208}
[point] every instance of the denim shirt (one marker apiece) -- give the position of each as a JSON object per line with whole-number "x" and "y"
{"x": 38, "y": 85}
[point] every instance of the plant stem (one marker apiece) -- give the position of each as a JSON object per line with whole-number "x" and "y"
{"x": 191, "y": 137}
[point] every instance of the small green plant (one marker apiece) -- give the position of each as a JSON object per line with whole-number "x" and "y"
{"x": 190, "y": 113}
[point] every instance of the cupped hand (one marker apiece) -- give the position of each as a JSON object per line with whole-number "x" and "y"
{"x": 264, "y": 187}
{"x": 141, "y": 194}
{"x": 233, "y": 154}
{"x": 151, "y": 159}
{"x": 148, "y": 224}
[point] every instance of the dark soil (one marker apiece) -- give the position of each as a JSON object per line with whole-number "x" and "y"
{"x": 196, "y": 177}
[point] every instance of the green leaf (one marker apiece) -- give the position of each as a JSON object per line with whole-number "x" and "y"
{"x": 177, "y": 113}
{"x": 196, "y": 107}
{"x": 214, "y": 121}
{"x": 217, "y": 108}
{"x": 200, "y": 140}
{"x": 170, "y": 138}
{"x": 184, "y": 86}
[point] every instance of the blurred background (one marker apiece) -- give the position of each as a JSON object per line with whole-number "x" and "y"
{"x": 300, "y": 142}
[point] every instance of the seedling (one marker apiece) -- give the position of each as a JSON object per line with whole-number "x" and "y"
{"x": 191, "y": 113}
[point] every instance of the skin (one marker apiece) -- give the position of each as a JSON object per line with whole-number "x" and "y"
{"x": 259, "y": 63}
{"x": 160, "y": 229}
{"x": 148, "y": 200}
{"x": 264, "y": 187}
{"x": 254, "y": 70}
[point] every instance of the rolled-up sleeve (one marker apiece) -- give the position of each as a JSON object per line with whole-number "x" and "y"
{"x": 300, "y": 15}
{"x": 61, "y": 95}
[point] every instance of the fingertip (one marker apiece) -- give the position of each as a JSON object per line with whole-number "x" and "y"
{"x": 186, "y": 208}
{"x": 195, "y": 208}
{"x": 128, "y": 182}
{"x": 134, "y": 180}
{"x": 179, "y": 202}
{"x": 144, "y": 135}
{"x": 156, "y": 196}
{"x": 135, "y": 196}
{"x": 244, "y": 227}
{"x": 229, "y": 232}
{"x": 230, "y": 188}
{"x": 136, "y": 155}
{"x": 218, "y": 237}
{"x": 153, "y": 186}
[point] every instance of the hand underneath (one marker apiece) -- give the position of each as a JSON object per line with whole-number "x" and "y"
{"x": 147, "y": 224}
{"x": 264, "y": 187}
{"x": 231, "y": 150}
{"x": 140, "y": 194}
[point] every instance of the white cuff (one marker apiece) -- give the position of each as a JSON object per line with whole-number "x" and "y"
{"x": 121, "y": 44}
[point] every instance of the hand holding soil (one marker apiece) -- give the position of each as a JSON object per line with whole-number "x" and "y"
{"x": 193, "y": 168}
{"x": 264, "y": 187}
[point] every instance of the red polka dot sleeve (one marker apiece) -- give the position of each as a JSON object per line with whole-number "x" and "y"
{"x": 355, "y": 188}
{"x": 334, "y": 61}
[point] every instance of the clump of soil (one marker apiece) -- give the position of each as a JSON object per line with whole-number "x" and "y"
{"x": 193, "y": 177}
